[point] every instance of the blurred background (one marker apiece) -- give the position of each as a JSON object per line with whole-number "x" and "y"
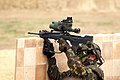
{"x": 17, "y": 17}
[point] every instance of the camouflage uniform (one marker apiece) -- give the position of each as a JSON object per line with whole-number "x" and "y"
{"x": 53, "y": 71}
{"x": 75, "y": 63}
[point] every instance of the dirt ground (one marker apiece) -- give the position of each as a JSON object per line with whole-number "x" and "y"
{"x": 89, "y": 23}
{"x": 15, "y": 24}
{"x": 7, "y": 64}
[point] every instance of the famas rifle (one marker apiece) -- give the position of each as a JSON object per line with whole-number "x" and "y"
{"x": 62, "y": 29}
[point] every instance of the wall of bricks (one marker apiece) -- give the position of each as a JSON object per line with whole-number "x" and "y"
{"x": 31, "y": 64}
{"x": 110, "y": 44}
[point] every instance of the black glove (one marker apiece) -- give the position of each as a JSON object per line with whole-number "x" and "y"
{"x": 48, "y": 48}
{"x": 51, "y": 61}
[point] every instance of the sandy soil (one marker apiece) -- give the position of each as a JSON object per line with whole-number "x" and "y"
{"x": 7, "y": 64}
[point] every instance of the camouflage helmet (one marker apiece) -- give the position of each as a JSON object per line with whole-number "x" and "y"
{"x": 94, "y": 49}
{"x": 87, "y": 49}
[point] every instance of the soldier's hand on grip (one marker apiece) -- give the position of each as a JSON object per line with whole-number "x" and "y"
{"x": 63, "y": 45}
{"x": 48, "y": 48}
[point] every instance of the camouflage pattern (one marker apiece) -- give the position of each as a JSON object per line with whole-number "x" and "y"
{"x": 77, "y": 66}
{"x": 53, "y": 71}
{"x": 83, "y": 73}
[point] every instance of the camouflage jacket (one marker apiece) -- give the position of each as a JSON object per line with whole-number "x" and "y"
{"x": 77, "y": 69}
{"x": 88, "y": 73}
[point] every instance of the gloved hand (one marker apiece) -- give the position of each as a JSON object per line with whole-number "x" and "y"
{"x": 52, "y": 61}
{"x": 63, "y": 45}
{"x": 48, "y": 49}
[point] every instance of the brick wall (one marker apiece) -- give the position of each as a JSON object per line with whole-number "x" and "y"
{"x": 110, "y": 44}
{"x": 31, "y": 64}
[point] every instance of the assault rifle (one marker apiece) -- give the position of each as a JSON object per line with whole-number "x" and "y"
{"x": 62, "y": 29}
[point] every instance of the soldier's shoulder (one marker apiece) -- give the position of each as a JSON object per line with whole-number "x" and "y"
{"x": 98, "y": 71}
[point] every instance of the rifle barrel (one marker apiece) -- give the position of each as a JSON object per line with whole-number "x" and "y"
{"x": 33, "y": 33}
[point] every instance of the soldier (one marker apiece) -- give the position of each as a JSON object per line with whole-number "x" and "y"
{"x": 83, "y": 64}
